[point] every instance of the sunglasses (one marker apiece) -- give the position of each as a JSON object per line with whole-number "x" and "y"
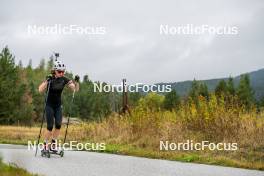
{"x": 59, "y": 71}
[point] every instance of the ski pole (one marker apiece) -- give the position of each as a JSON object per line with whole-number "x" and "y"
{"x": 64, "y": 140}
{"x": 46, "y": 98}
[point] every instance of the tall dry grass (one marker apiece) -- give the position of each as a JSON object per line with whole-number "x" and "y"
{"x": 212, "y": 120}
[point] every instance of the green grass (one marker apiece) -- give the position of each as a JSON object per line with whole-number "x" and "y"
{"x": 12, "y": 170}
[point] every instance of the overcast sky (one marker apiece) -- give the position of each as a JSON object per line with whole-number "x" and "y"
{"x": 132, "y": 46}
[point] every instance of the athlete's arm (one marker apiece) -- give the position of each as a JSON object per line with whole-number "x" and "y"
{"x": 73, "y": 85}
{"x": 43, "y": 86}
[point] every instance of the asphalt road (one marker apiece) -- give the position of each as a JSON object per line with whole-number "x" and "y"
{"x": 80, "y": 163}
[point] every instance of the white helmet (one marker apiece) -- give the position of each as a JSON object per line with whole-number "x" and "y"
{"x": 59, "y": 65}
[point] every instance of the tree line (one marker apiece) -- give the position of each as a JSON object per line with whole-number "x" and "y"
{"x": 21, "y": 102}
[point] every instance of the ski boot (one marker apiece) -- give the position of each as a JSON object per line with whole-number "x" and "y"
{"x": 53, "y": 146}
{"x": 45, "y": 151}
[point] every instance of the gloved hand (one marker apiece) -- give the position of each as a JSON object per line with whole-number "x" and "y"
{"x": 49, "y": 77}
{"x": 77, "y": 78}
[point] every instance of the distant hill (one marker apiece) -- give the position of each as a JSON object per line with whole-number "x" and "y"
{"x": 256, "y": 80}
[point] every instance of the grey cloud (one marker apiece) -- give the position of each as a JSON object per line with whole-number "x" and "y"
{"x": 133, "y": 47}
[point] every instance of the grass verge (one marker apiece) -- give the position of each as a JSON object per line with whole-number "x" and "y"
{"x": 241, "y": 158}
{"x": 12, "y": 170}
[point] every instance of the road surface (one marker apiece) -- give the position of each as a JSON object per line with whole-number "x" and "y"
{"x": 80, "y": 163}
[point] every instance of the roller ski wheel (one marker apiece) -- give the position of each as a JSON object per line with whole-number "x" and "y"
{"x": 45, "y": 153}
{"x": 61, "y": 153}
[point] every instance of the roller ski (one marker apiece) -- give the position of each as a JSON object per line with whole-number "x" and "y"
{"x": 60, "y": 153}
{"x": 54, "y": 149}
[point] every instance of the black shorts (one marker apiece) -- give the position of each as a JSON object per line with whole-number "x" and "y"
{"x": 53, "y": 113}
